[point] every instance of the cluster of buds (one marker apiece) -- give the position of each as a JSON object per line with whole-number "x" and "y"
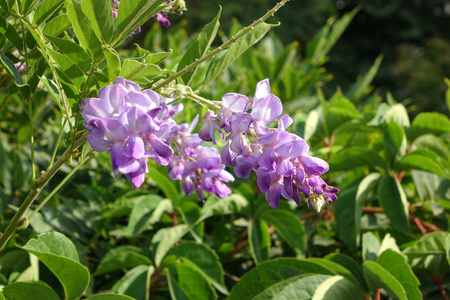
{"x": 135, "y": 125}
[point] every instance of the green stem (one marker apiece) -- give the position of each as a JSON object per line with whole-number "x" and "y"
{"x": 56, "y": 189}
{"x": 214, "y": 52}
{"x": 30, "y": 107}
{"x": 57, "y": 144}
{"x": 36, "y": 190}
{"x": 202, "y": 100}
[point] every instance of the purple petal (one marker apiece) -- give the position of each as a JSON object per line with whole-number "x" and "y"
{"x": 138, "y": 121}
{"x": 284, "y": 122}
{"x": 240, "y": 122}
{"x": 221, "y": 189}
{"x": 263, "y": 182}
{"x": 188, "y": 186}
{"x": 285, "y": 168}
{"x": 128, "y": 84}
{"x": 273, "y": 195}
{"x": 161, "y": 148}
{"x": 235, "y": 102}
{"x": 314, "y": 165}
{"x": 262, "y": 90}
{"x": 265, "y": 160}
{"x": 133, "y": 165}
{"x": 267, "y": 109}
{"x": 117, "y": 156}
{"x": 97, "y": 141}
{"x": 134, "y": 147}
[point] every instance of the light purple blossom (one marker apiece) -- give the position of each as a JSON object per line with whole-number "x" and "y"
{"x": 280, "y": 159}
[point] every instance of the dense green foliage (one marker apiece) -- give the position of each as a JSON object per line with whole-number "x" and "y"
{"x": 98, "y": 238}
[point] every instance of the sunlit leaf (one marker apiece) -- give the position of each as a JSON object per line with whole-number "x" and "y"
{"x": 59, "y": 254}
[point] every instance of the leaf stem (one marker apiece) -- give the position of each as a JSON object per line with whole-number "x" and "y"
{"x": 438, "y": 283}
{"x": 214, "y": 52}
{"x": 37, "y": 187}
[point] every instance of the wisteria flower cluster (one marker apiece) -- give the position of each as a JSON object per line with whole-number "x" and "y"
{"x": 135, "y": 125}
{"x": 280, "y": 159}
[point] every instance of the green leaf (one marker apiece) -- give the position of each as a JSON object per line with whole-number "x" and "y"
{"x": 388, "y": 243}
{"x": 350, "y": 264}
{"x": 424, "y": 160}
{"x": 187, "y": 283}
{"x": 199, "y": 47}
{"x": 345, "y": 215}
{"x": 164, "y": 239}
{"x": 156, "y": 58}
{"x": 57, "y": 25}
{"x": 447, "y": 93}
{"x": 215, "y": 206}
{"x": 133, "y": 69}
{"x": 59, "y": 254}
{"x": 72, "y": 72}
{"x": 270, "y": 272}
{"x": 356, "y": 156}
{"x": 74, "y": 52}
{"x": 28, "y": 291}
{"x": 289, "y": 227}
{"x": 339, "y": 111}
{"x": 135, "y": 283}
{"x": 370, "y": 246}
{"x": 337, "y": 287}
{"x": 100, "y": 15}
{"x": 121, "y": 257}
{"x": 312, "y": 122}
{"x": 10, "y": 33}
{"x": 378, "y": 277}
{"x": 144, "y": 213}
{"x": 109, "y": 296}
{"x": 396, "y": 264}
{"x": 396, "y": 113}
{"x": 259, "y": 240}
{"x": 36, "y": 72}
{"x": 364, "y": 189}
{"x": 45, "y": 10}
{"x": 204, "y": 260}
{"x": 190, "y": 212}
{"x": 82, "y": 27}
{"x": 430, "y": 122}
{"x": 394, "y": 203}
{"x": 113, "y": 63}
{"x": 394, "y": 143}
{"x": 301, "y": 287}
{"x": 447, "y": 248}
{"x": 362, "y": 86}
{"x": 134, "y": 13}
{"x": 428, "y": 255}
{"x": 165, "y": 184}
{"x": 123, "y": 205}
{"x": 237, "y": 49}
{"x": 15, "y": 75}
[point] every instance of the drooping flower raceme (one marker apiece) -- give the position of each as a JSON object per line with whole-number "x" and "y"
{"x": 280, "y": 159}
{"x": 135, "y": 125}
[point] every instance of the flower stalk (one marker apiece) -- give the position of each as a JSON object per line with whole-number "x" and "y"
{"x": 225, "y": 45}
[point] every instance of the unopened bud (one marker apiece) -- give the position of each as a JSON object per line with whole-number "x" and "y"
{"x": 23, "y": 223}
